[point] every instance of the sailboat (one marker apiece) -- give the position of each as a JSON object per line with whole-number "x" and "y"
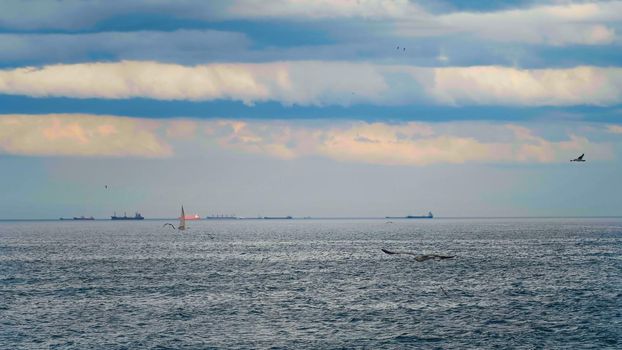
{"x": 182, "y": 221}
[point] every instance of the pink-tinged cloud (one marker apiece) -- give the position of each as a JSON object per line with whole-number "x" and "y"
{"x": 69, "y": 131}
{"x": 615, "y": 129}
{"x": 411, "y": 143}
{"x": 399, "y": 144}
{"x": 80, "y": 135}
{"x": 181, "y": 129}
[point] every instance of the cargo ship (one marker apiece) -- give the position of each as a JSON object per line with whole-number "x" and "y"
{"x": 221, "y": 217}
{"x": 136, "y": 216}
{"x": 429, "y": 216}
{"x": 277, "y": 217}
{"x": 79, "y": 218}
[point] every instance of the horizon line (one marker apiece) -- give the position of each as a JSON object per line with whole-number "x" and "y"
{"x": 340, "y": 218}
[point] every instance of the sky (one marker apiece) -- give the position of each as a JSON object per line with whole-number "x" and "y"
{"x": 310, "y": 108}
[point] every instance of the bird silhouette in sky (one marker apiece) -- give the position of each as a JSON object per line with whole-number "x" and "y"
{"x": 579, "y": 158}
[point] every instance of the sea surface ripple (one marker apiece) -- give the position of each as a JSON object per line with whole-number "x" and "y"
{"x": 312, "y": 284}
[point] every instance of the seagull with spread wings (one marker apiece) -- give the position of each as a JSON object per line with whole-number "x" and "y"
{"x": 579, "y": 158}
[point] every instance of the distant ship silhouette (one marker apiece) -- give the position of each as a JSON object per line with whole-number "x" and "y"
{"x": 429, "y": 216}
{"x": 136, "y": 216}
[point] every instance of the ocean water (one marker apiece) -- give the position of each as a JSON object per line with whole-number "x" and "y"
{"x": 312, "y": 284}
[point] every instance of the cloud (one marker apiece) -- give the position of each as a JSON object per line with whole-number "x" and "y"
{"x": 324, "y": 9}
{"x": 411, "y": 143}
{"x": 181, "y": 129}
{"x": 539, "y": 149}
{"x": 320, "y": 83}
{"x": 400, "y": 144}
{"x": 558, "y": 25}
{"x": 80, "y": 135}
{"x": 288, "y": 82}
{"x": 48, "y": 32}
{"x": 566, "y": 23}
{"x": 76, "y": 14}
{"x": 616, "y": 129}
{"x": 591, "y": 23}
{"x": 493, "y": 85}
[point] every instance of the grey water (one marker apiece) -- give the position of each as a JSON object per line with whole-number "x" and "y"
{"x": 312, "y": 284}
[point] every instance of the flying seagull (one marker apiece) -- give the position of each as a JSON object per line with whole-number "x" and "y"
{"x": 421, "y": 257}
{"x": 171, "y": 225}
{"x": 578, "y": 159}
